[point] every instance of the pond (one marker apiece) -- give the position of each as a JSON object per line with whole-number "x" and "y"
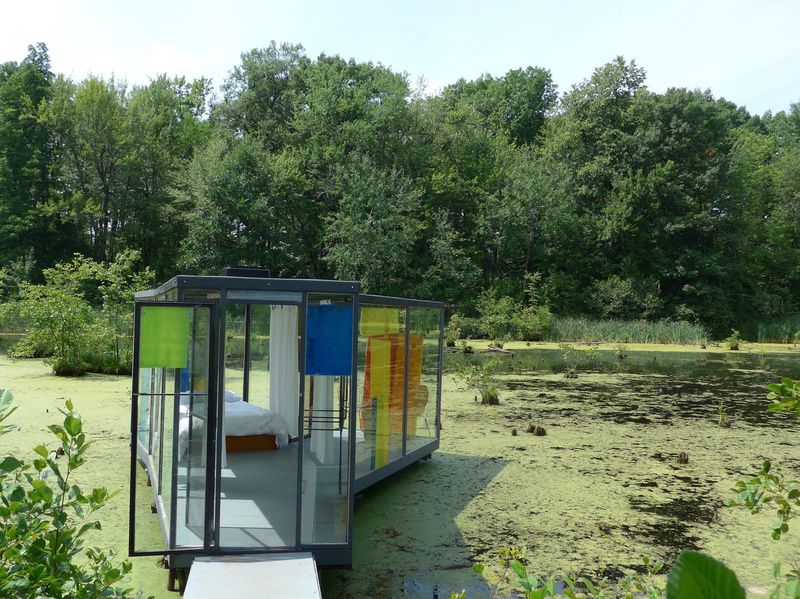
{"x": 599, "y": 491}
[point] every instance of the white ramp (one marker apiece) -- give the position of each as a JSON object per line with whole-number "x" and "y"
{"x": 288, "y": 576}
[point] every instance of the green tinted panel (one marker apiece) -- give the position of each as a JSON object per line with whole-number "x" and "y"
{"x": 164, "y": 337}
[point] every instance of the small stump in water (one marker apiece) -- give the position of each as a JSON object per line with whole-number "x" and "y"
{"x": 537, "y": 430}
{"x": 513, "y": 432}
{"x": 683, "y": 458}
{"x": 490, "y": 398}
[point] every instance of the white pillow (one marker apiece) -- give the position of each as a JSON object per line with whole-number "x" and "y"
{"x": 231, "y": 397}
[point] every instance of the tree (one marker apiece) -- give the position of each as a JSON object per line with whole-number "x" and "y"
{"x": 372, "y": 234}
{"x": 651, "y": 179}
{"x": 164, "y": 121}
{"x": 33, "y": 227}
{"x": 517, "y": 103}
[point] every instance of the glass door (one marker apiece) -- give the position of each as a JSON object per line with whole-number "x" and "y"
{"x": 171, "y": 426}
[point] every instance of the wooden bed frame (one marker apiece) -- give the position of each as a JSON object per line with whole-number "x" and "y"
{"x": 250, "y": 443}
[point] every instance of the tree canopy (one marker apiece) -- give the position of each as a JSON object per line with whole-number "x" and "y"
{"x": 628, "y": 203}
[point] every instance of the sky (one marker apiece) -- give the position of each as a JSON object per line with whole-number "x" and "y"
{"x": 745, "y": 51}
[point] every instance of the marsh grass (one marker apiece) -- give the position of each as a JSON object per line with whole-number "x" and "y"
{"x": 784, "y": 330}
{"x": 582, "y": 329}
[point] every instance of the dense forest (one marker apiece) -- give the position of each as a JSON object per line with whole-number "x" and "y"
{"x": 618, "y": 202}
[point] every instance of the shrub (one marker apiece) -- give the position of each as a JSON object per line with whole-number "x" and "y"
{"x": 59, "y": 326}
{"x": 533, "y": 323}
{"x": 452, "y": 331}
{"x": 462, "y": 327}
{"x": 44, "y": 518}
{"x": 62, "y": 323}
{"x": 482, "y": 377}
{"x": 733, "y": 341}
{"x": 504, "y": 318}
{"x": 498, "y": 316}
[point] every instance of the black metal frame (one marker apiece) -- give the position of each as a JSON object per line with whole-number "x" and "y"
{"x": 326, "y": 554}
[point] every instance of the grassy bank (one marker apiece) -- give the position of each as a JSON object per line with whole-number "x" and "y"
{"x": 612, "y": 346}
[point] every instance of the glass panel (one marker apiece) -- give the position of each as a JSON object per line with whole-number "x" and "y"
{"x": 381, "y": 389}
{"x": 326, "y": 449}
{"x": 169, "y": 473}
{"x": 172, "y": 383}
{"x": 423, "y": 376}
{"x": 234, "y": 349}
{"x": 258, "y": 378}
{"x": 201, "y": 295}
{"x": 258, "y": 500}
{"x": 194, "y": 424}
{"x": 251, "y": 295}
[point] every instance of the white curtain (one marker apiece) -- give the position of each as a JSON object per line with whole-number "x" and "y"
{"x": 284, "y": 383}
{"x": 322, "y": 440}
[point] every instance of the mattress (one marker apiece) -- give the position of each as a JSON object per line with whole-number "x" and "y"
{"x": 241, "y": 419}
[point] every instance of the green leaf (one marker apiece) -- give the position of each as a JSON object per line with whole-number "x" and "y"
{"x": 478, "y": 568}
{"x": 518, "y": 569}
{"x": 699, "y": 576}
{"x": 72, "y": 425}
{"x": 41, "y": 450}
{"x": 42, "y": 490}
{"x": 9, "y": 464}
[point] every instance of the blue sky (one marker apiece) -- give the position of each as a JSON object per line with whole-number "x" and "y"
{"x": 745, "y": 51}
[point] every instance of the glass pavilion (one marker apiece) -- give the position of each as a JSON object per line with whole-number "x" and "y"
{"x": 262, "y": 405}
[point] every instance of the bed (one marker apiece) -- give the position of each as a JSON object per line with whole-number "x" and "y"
{"x": 246, "y": 427}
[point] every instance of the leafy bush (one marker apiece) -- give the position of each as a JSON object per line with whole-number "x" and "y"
{"x": 482, "y": 377}
{"x": 733, "y": 341}
{"x": 504, "y": 318}
{"x": 60, "y": 320}
{"x": 63, "y": 323}
{"x": 533, "y": 323}
{"x": 452, "y": 331}
{"x": 44, "y": 519}
{"x": 462, "y": 327}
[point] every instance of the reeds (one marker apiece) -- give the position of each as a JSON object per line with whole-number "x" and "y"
{"x": 784, "y": 330}
{"x": 583, "y": 329}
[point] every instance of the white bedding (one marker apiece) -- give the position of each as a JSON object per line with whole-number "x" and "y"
{"x": 240, "y": 419}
